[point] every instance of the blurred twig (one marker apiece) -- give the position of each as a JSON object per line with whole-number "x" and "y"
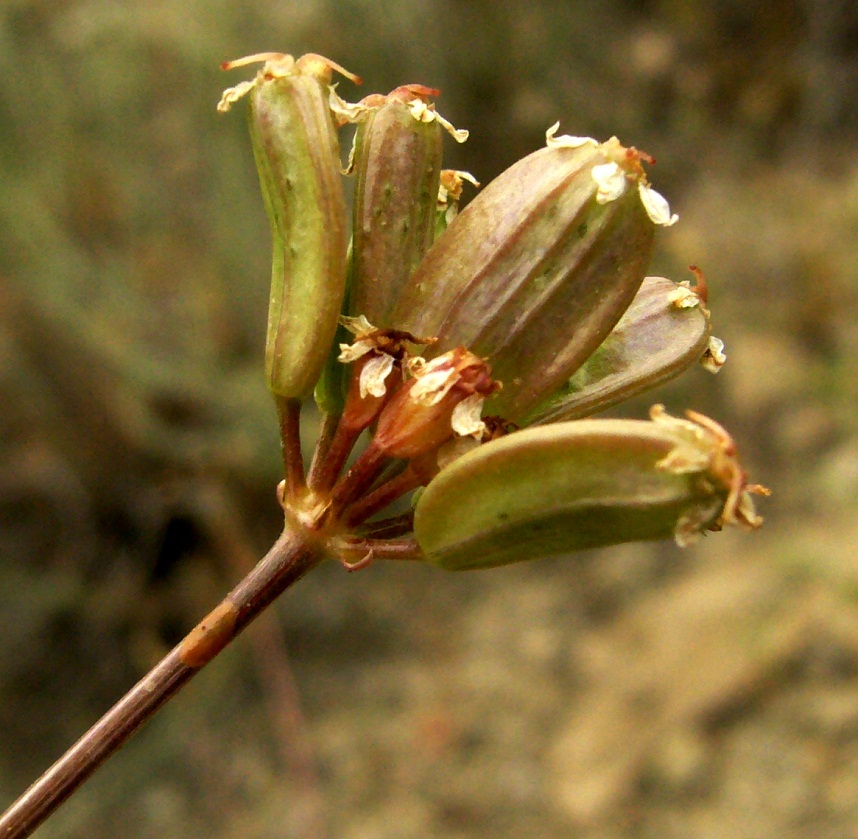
{"x": 230, "y": 541}
{"x": 287, "y": 561}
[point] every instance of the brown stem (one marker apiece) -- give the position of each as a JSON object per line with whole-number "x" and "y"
{"x": 358, "y": 479}
{"x": 287, "y": 561}
{"x": 381, "y": 496}
{"x": 326, "y": 435}
{"x": 337, "y": 454}
{"x": 231, "y": 541}
{"x": 289, "y": 413}
{"x": 367, "y": 550}
{"x": 391, "y": 528}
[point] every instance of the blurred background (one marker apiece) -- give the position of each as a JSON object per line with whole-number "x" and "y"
{"x": 642, "y": 691}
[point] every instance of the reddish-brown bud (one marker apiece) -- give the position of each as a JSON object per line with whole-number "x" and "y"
{"x": 444, "y": 398}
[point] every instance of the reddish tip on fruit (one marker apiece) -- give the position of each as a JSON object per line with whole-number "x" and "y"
{"x": 701, "y": 289}
{"x": 636, "y": 154}
{"x": 407, "y": 92}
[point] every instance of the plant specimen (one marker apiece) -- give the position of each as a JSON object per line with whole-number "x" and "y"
{"x": 469, "y": 351}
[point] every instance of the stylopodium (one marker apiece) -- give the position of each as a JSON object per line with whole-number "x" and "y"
{"x": 472, "y": 346}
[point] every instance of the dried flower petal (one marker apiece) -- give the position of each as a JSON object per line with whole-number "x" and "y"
{"x": 278, "y": 65}
{"x": 352, "y": 352}
{"x": 656, "y": 206}
{"x": 466, "y": 421}
{"x": 358, "y": 326}
{"x": 610, "y": 180}
{"x": 703, "y": 446}
{"x": 714, "y": 357}
{"x": 232, "y": 94}
{"x": 450, "y": 187}
{"x": 424, "y": 112}
{"x": 374, "y": 373}
{"x": 683, "y": 296}
{"x": 351, "y": 112}
{"x": 434, "y": 381}
{"x": 566, "y": 141}
{"x": 419, "y": 417}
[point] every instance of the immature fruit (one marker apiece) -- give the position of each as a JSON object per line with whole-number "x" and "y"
{"x": 663, "y": 332}
{"x": 297, "y": 155}
{"x": 534, "y": 273}
{"x": 397, "y": 163}
{"x": 553, "y": 489}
